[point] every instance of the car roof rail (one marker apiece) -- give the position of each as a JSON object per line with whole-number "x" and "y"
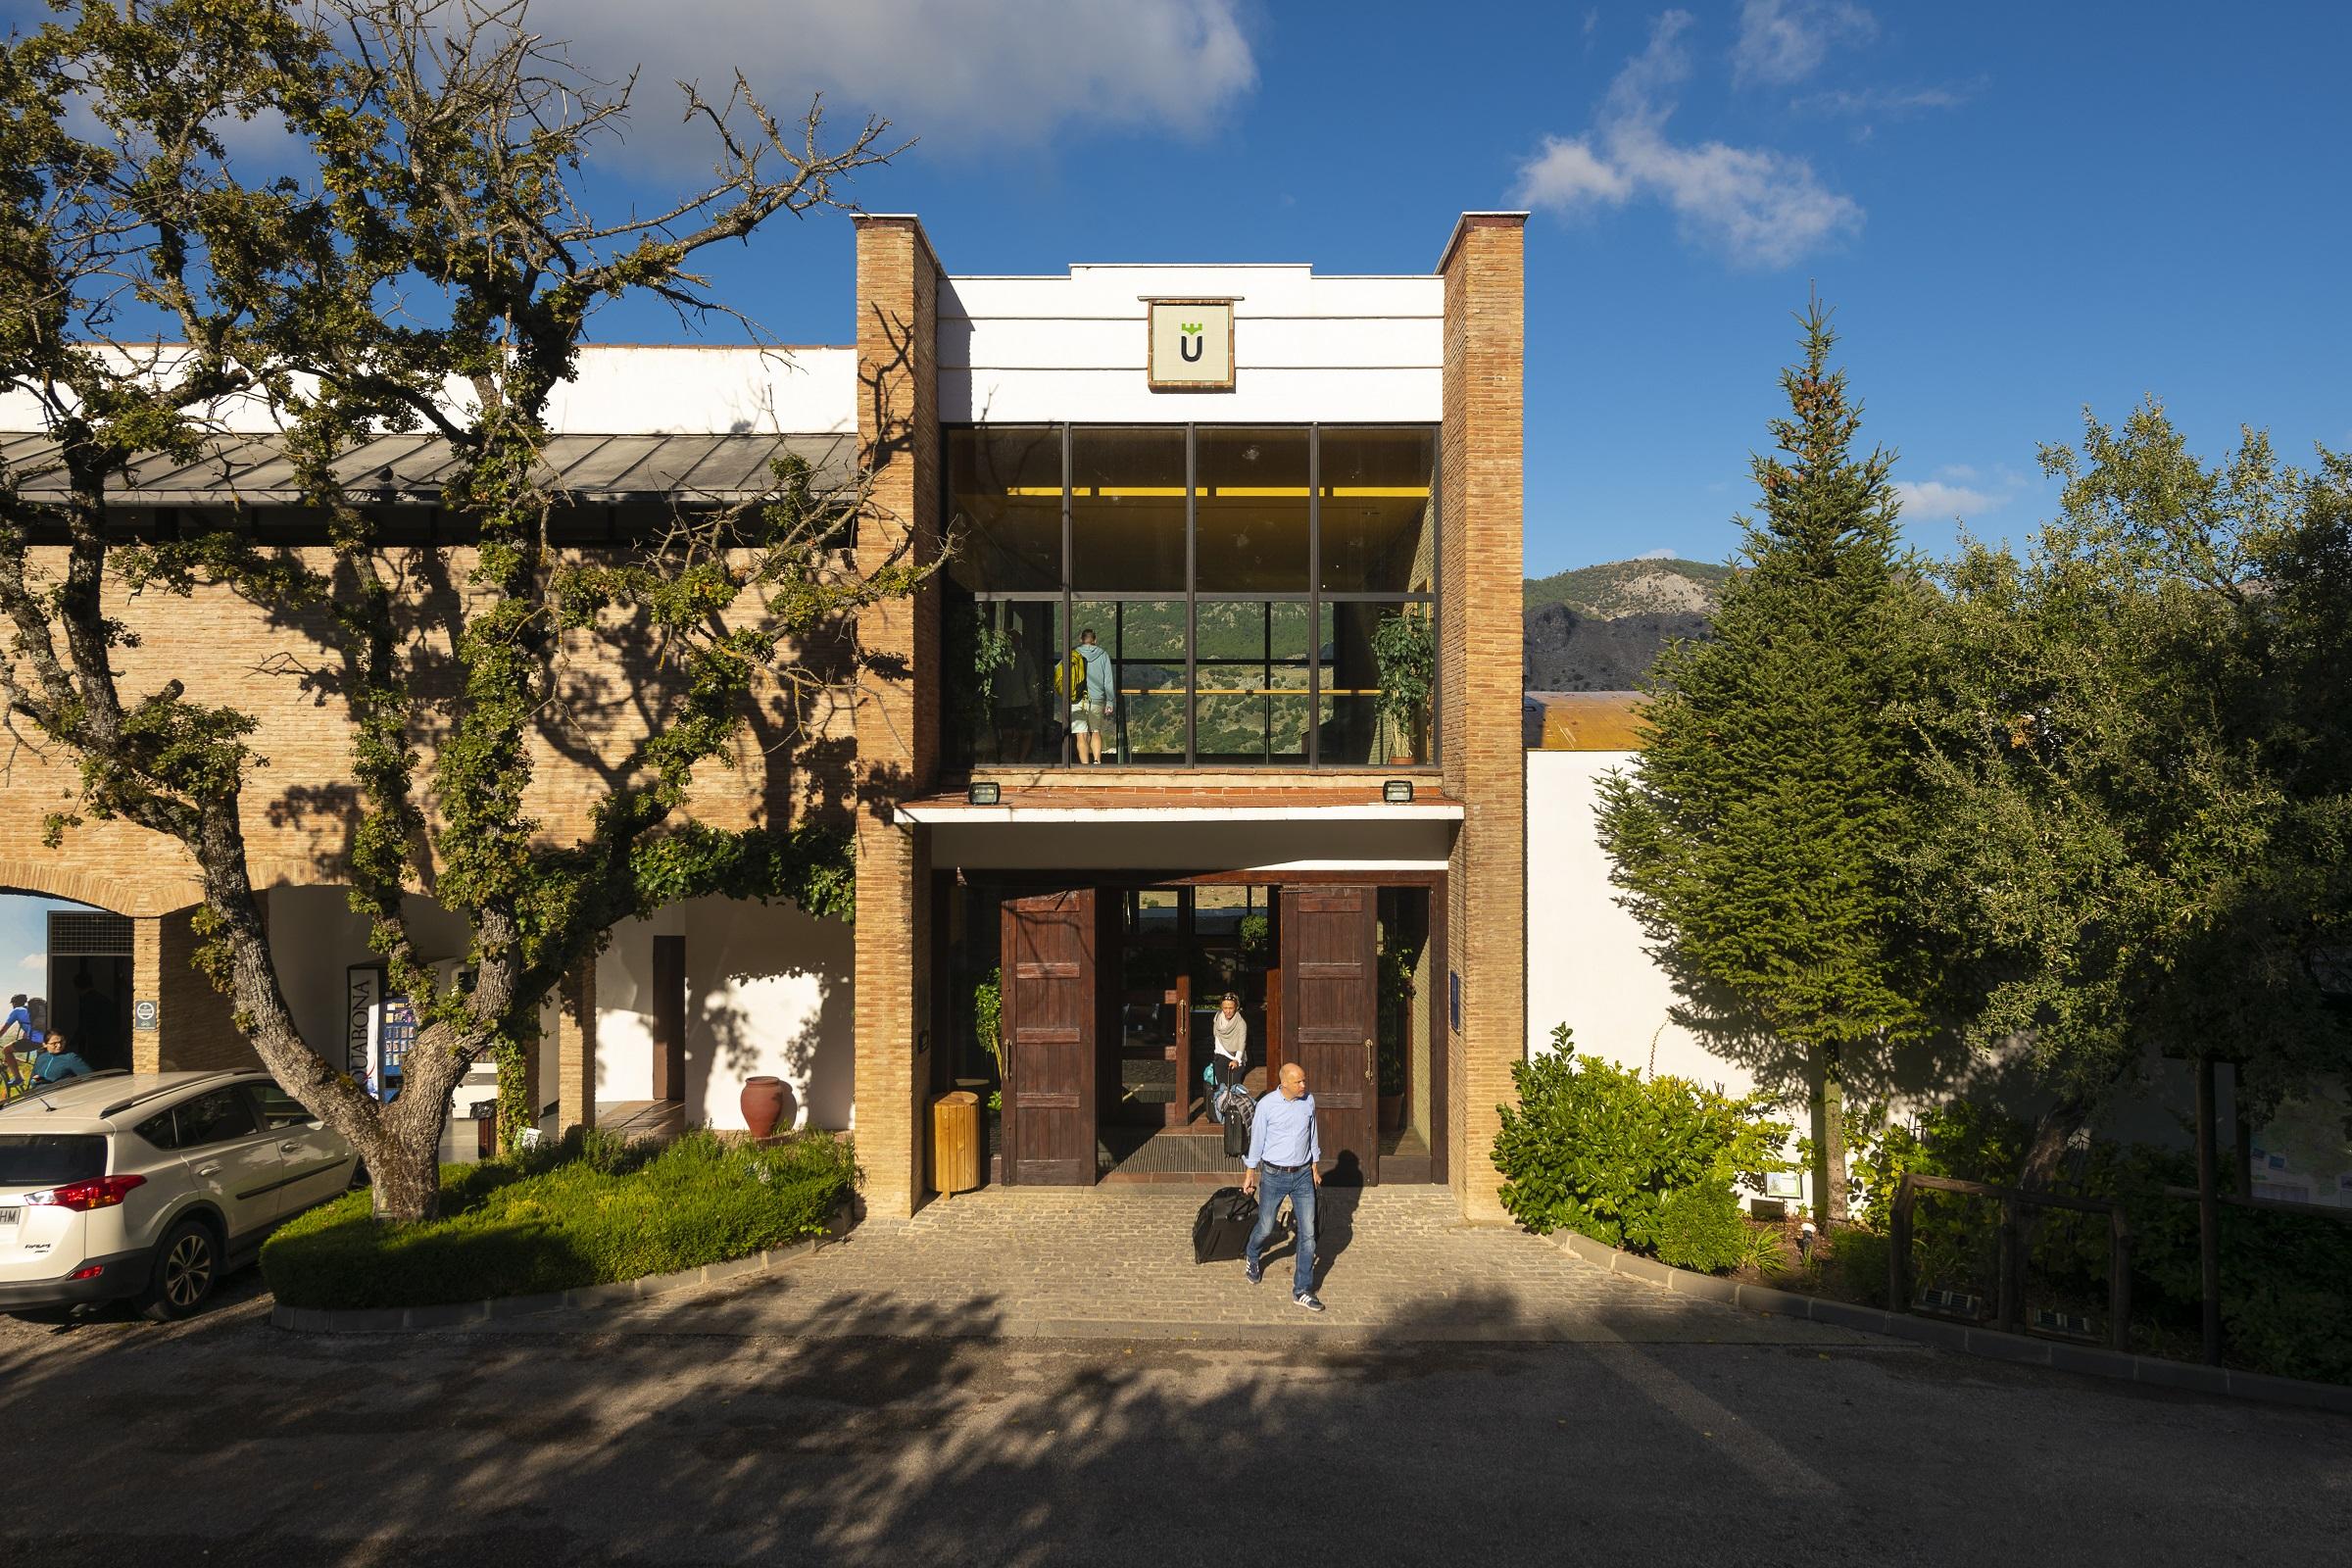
{"x": 40, "y": 1092}
{"x": 145, "y": 1094}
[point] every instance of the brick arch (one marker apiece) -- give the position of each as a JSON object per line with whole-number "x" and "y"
{"x": 59, "y": 878}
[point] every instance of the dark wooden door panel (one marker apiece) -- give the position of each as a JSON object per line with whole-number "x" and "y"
{"x": 1049, "y": 1021}
{"x": 1329, "y": 1016}
{"x": 669, "y": 1018}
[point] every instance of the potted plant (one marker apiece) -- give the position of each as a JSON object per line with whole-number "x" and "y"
{"x": 1405, "y": 650}
{"x": 988, "y": 1015}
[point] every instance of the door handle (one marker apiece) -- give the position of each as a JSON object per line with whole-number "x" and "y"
{"x": 289, "y": 1148}
{"x": 207, "y": 1170}
{"x": 1367, "y": 1062}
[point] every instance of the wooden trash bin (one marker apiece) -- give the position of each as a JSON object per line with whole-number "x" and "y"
{"x": 956, "y": 1143}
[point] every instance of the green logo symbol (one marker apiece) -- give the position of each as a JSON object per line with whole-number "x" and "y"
{"x": 1190, "y": 327}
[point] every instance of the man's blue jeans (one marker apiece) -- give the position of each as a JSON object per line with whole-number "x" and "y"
{"x": 1298, "y": 1186}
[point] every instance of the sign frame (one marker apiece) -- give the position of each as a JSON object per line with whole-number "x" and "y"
{"x": 1151, "y": 381}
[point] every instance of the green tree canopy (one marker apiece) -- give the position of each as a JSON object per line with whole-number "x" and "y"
{"x": 1750, "y": 834}
{"x": 2135, "y": 748}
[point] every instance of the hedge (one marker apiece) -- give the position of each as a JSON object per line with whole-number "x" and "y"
{"x": 585, "y": 1212}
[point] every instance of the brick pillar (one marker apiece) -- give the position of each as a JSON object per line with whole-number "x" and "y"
{"x": 1480, "y": 659}
{"x": 574, "y": 1046}
{"x": 896, "y": 719}
{"x": 147, "y": 985}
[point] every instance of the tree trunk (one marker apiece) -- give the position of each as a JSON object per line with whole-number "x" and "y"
{"x": 1828, "y": 1140}
{"x": 2052, "y": 1135}
{"x": 406, "y": 1187}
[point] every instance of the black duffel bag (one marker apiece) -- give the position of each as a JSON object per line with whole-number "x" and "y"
{"x": 1221, "y": 1232}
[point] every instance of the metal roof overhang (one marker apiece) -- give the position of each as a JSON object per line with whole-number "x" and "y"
{"x": 396, "y": 469}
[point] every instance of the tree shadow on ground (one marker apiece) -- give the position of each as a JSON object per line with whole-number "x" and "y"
{"x": 924, "y": 1435}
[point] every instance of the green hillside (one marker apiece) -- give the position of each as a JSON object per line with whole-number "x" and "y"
{"x": 1630, "y": 588}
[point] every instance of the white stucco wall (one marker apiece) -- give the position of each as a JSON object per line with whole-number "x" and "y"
{"x": 315, "y": 936}
{"x": 767, "y": 990}
{"x": 1586, "y": 963}
{"x": 1337, "y": 349}
{"x": 631, "y": 389}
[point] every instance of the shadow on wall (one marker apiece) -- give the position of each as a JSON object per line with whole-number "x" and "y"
{"x": 769, "y": 990}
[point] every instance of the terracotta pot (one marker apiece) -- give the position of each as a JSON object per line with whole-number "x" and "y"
{"x": 762, "y": 1105}
{"x": 1392, "y": 1112}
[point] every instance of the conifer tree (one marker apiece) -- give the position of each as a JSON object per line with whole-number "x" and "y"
{"x": 1751, "y": 834}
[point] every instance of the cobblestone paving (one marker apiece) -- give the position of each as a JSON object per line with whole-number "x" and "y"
{"x": 1397, "y": 1264}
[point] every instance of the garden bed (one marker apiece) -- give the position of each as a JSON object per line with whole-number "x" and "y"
{"x": 586, "y": 1211}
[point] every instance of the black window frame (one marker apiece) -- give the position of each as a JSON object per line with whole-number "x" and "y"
{"x": 1314, "y": 598}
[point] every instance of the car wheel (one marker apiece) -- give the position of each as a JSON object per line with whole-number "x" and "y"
{"x": 186, "y": 1266}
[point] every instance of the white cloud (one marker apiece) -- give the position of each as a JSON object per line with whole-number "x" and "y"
{"x": 1783, "y": 41}
{"x": 955, "y": 72}
{"x": 1948, "y": 496}
{"x": 1894, "y": 102}
{"x": 1566, "y": 172}
{"x": 1761, "y": 207}
{"x": 1662, "y": 553}
{"x": 35, "y": 960}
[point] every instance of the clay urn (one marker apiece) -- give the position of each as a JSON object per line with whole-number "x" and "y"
{"x": 763, "y": 1103}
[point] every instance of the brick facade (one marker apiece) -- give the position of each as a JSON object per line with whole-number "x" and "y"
{"x": 1482, "y": 472}
{"x": 883, "y": 749}
{"x": 896, "y": 716}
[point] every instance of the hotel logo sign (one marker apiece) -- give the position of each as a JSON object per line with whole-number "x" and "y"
{"x": 1192, "y": 345}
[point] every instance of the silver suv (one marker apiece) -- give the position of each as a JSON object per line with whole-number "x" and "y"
{"x": 151, "y": 1185}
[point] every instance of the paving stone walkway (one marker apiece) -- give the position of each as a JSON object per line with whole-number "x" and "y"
{"x": 1399, "y": 1264}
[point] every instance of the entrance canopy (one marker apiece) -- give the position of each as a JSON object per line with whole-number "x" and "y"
{"x": 1199, "y": 828}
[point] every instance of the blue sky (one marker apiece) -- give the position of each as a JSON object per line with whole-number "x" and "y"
{"x": 25, "y": 942}
{"x": 2017, "y": 210}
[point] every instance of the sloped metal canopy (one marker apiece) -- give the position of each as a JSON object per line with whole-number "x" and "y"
{"x": 253, "y": 470}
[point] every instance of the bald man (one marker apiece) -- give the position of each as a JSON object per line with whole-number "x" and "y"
{"x": 1285, "y": 1147}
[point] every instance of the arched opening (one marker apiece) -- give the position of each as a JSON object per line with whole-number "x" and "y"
{"x": 73, "y": 964}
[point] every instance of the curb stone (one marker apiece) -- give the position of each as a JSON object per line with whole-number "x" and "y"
{"x": 460, "y": 1314}
{"x": 1989, "y": 1344}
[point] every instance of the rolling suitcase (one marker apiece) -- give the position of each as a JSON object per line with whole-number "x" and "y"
{"x": 1240, "y": 1108}
{"x": 1221, "y": 1233}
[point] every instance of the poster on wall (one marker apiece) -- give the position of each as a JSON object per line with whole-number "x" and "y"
{"x": 363, "y": 1001}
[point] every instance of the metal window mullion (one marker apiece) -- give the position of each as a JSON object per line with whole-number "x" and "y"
{"x": 1069, "y": 630}
{"x": 1437, "y": 602}
{"x": 1192, "y": 598}
{"x": 1314, "y": 597}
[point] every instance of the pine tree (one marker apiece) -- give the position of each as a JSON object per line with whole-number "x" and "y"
{"x": 1751, "y": 834}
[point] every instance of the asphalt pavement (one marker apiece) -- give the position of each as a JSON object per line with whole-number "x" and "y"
{"x": 227, "y": 1441}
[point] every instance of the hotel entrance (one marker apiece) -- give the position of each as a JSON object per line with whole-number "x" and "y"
{"x": 1100, "y": 1000}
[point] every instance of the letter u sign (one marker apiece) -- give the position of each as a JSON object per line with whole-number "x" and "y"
{"x": 1189, "y": 345}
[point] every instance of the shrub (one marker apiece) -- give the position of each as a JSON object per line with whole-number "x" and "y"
{"x": 589, "y": 1210}
{"x": 1701, "y": 1228}
{"x": 1593, "y": 1148}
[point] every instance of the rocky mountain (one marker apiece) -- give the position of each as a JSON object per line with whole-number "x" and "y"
{"x": 1599, "y": 628}
{"x": 1630, "y": 588}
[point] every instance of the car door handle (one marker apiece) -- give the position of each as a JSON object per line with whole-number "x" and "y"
{"x": 207, "y": 1170}
{"x": 289, "y": 1148}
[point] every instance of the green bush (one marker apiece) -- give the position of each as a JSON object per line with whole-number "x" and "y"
{"x": 1701, "y": 1228}
{"x": 588, "y": 1210}
{"x": 1594, "y": 1148}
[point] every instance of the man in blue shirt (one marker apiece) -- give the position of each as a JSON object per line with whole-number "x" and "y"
{"x": 1285, "y": 1147}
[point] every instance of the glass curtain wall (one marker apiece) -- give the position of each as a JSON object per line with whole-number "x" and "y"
{"x": 1211, "y": 596}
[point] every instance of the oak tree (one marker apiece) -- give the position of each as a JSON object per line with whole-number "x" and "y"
{"x": 408, "y": 251}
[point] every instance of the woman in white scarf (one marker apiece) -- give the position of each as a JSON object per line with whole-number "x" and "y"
{"x": 1231, "y": 1056}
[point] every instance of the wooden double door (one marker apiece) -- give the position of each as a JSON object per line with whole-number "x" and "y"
{"x": 1055, "y": 1026}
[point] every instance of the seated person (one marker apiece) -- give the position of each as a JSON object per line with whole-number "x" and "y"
{"x": 58, "y": 1060}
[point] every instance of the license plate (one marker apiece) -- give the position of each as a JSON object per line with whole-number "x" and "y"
{"x": 11, "y": 1215}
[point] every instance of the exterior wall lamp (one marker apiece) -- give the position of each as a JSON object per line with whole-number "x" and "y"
{"x": 981, "y": 793}
{"x": 1396, "y": 791}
